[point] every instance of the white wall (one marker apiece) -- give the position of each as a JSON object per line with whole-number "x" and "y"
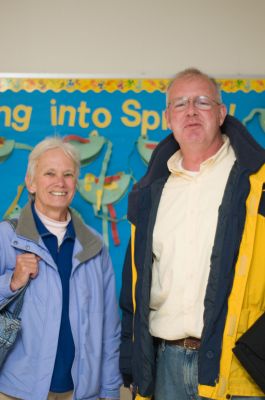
{"x": 122, "y": 38}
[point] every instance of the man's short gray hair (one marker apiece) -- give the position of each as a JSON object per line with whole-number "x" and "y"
{"x": 193, "y": 73}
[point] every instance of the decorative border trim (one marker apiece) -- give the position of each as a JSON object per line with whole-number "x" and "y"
{"x": 121, "y": 85}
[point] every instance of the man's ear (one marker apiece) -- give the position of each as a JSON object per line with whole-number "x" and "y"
{"x": 222, "y": 114}
{"x": 167, "y": 116}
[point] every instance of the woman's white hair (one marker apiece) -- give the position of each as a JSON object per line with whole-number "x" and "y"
{"x": 51, "y": 143}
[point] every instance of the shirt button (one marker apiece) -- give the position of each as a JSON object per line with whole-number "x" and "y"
{"x": 27, "y": 247}
{"x": 15, "y": 242}
{"x": 209, "y": 354}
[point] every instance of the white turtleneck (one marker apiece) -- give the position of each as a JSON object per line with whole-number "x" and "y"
{"x": 57, "y": 228}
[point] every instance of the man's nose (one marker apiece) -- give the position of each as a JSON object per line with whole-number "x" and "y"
{"x": 191, "y": 108}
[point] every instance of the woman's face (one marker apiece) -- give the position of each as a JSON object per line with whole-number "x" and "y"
{"x": 54, "y": 184}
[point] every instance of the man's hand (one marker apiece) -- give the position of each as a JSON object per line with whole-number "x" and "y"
{"x": 27, "y": 266}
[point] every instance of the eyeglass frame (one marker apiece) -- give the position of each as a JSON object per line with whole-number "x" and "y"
{"x": 187, "y": 100}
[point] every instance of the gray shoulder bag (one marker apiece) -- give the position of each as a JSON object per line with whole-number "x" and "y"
{"x": 10, "y": 323}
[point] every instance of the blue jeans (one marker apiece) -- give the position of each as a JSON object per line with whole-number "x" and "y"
{"x": 177, "y": 375}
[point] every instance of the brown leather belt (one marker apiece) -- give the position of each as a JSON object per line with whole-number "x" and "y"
{"x": 188, "y": 343}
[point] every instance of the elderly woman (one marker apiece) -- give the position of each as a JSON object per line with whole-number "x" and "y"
{"x": 69, "y": 343}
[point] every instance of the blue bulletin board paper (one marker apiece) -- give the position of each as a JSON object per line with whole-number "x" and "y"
{"x": 116, "y": 123}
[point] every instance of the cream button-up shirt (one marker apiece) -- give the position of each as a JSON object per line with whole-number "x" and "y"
{"x": 183, "y": 238}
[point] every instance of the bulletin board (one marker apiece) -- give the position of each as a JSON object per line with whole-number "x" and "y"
{"x": 115, "y": 123}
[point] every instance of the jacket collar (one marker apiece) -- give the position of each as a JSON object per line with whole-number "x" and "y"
{"x": 250, "y": 155}
{"x": 91, "y": 244}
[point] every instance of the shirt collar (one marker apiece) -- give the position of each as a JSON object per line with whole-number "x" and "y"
{"x": 174, "y": 163}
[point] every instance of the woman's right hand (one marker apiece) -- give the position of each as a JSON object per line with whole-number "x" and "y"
{"x": 27, "y": 266}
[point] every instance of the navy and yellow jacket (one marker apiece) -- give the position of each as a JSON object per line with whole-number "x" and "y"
{"x": 235, "y": 292}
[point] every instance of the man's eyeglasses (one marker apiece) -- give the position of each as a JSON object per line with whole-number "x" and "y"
{"x": 200, "y": 102}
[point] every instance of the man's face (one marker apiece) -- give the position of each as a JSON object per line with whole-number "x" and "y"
{"x": 195, "y": 128}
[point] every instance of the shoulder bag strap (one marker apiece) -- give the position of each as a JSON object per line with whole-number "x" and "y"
{"x": 18, "y": 297}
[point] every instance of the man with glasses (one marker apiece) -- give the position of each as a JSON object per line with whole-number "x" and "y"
{"x": 193, "y": 278}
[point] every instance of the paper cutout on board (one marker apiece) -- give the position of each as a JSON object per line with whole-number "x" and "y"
{"x": 7, "y": 146}
{"x": 145, "y": 148}
{"x": 261, "y": 117}
{"x": 14, "y": 208}
{"x": 112, "y": 190}
{"x": 88, "y": 148}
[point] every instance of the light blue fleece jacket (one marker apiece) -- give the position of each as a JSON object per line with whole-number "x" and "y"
{"x": 93, "y": 314}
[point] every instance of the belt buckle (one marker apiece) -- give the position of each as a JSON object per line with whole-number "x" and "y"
{"x": 187, "y": 346}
